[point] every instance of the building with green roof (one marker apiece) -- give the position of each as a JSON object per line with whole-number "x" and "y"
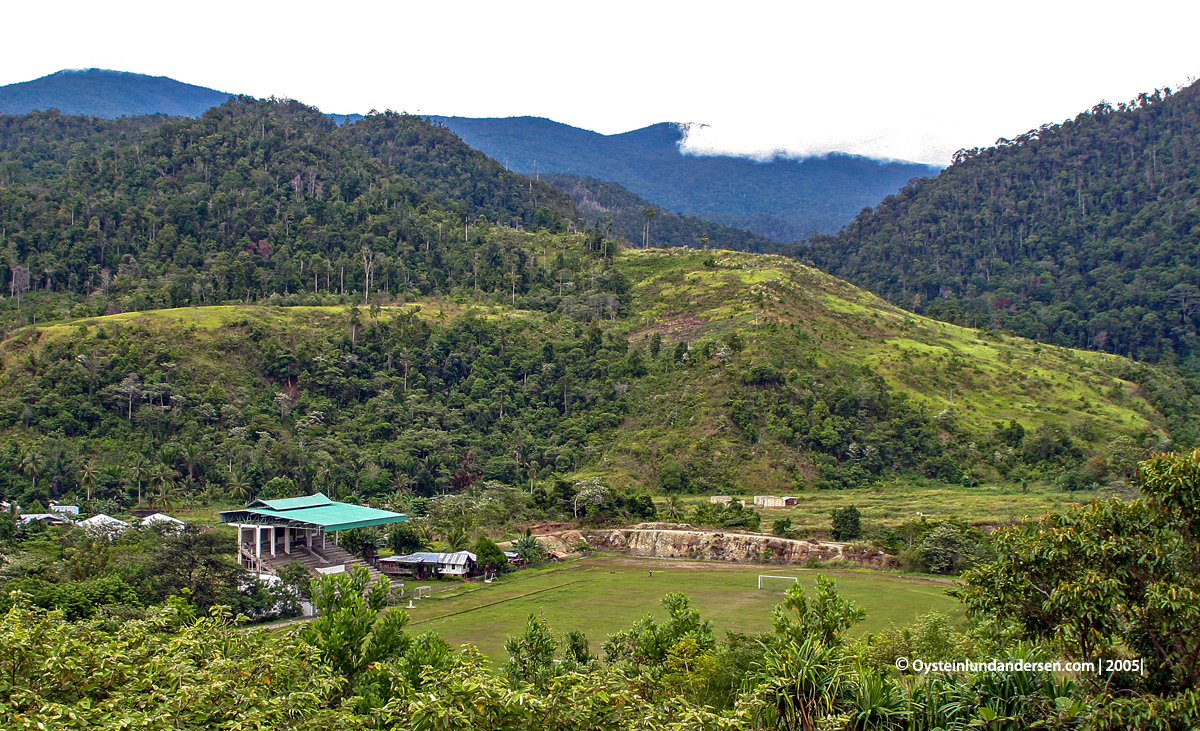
{"x": 297, "y": 523}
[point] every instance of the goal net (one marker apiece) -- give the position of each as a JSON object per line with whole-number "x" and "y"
{"x": 775, "y": 582}
{"x": 422, "y": 592}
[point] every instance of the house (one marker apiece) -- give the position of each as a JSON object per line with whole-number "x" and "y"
{"x": 423, "y": 565}
{"x": 102, "y": 525}
{"x": 64, "y": 509}
{"x": 720, "y": 499}
{"x": 47, "y": 518}
{"x": 771, "y": 501}
{"x": 163, "y": 522}
{"x": 514, "y": 559}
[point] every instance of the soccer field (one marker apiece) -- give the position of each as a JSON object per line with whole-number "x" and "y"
{"x": 602, "y": 595}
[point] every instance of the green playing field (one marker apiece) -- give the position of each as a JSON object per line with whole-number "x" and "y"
{"x": 602, "y": 595}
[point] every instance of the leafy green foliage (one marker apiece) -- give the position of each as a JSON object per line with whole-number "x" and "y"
{"x": 355, "y": 629}
{"x": 254, "y": 199}
{"x": 489, "y": 555}
{"x": 1108, "y": 578}
{"x": 1079, "y": 234}
{"x": 847, "y": 524}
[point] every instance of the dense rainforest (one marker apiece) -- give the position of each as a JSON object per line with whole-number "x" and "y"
{"x": 254, "y": 198}
{"x": 1081, "y": 234}
{"x": 620, "y": 213}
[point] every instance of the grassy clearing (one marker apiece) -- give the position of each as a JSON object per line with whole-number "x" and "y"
{"x": 602, "y": 595}
{"x": 889, "y": 504}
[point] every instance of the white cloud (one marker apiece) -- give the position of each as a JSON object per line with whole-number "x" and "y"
{"x": 910, "y": 81}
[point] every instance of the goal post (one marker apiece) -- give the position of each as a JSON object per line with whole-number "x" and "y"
{"x": 792, "y": 579}
{"x": 422, "y": 592}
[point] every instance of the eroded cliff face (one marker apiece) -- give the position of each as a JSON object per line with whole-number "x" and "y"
{"x": 667, "y": 540}
{"x": 716, "y": 546}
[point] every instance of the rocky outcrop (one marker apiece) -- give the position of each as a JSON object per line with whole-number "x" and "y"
{"x": 674, "y": 540}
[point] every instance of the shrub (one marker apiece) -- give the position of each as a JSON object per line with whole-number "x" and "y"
{"x": 847, "y": 524}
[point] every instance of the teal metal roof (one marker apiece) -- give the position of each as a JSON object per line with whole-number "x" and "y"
{"x": 313, "y": 511}
{"x": 291, "y": 503}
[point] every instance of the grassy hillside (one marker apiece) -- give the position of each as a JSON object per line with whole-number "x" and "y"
{"x": 807, "y": 336}
{"x": 714, "y": 371}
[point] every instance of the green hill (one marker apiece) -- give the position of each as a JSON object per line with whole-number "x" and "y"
{"x": 254, "y": 199}
{"x": 714, "y": 371}
{"x": 1082, "y": 234}
{"x": 619, "y": 212}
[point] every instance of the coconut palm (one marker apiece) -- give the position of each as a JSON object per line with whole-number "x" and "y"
{"x": 88, "y": 472}
{"x": 32, "y": 463}
{"x": 238, "y": 487}
{"x": 140, "y": 472}
{"x": 455, "y": 538}
{"x": 162, "y": 479}
{"x": 673, "y": 509}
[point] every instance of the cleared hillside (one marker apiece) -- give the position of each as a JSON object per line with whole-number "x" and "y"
{"x": 767, "y": 375}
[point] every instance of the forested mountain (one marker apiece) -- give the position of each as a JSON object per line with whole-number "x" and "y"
{"x": 782, "y": 199}
{"x": 108, "y": 94}
{"x": 255, "y": 198}
{"x": 1085, "y": 234}
{"x": 622, "y": 213}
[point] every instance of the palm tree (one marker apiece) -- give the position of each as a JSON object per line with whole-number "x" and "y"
{"x": 424, "y": 531}
{"x": 163, "y": 480}
{"x": 32, "y": 463}
{"x": 193, "y": 457}
{"x": 238, "y": 487}
{"x": 673, "y": 510}
{"x": 140, "y": 471}
{"x": 455, "y": 538}
{"x": 88, "y": 472}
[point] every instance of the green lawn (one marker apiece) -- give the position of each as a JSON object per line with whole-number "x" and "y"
{"x": 602, "y": 595}
{"x": 892, "y": 503}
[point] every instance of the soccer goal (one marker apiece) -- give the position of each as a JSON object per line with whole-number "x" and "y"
{"x": 792, "y": 579}
{"x": 422, "y": 592}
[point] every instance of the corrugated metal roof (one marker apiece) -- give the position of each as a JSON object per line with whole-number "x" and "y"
{"x": 331, "y": 516}
{"x": 291, "y": 503}
{"x": 446, "y": 559}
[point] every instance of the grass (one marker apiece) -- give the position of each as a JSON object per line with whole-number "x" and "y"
{"x": 889, "y": 504}
{"x": 602, "y": 595}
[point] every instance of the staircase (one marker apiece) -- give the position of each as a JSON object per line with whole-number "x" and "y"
{"x": 316, "y": 558}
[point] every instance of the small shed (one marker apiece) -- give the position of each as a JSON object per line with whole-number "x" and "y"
{"x": 422, "y": 565}
{"x": 773, "y": 501}
{"x": 163, "y": 522}
{"x": 720, "y": 499}
{"x": 103, "y": 525}
{"x": 47, "y": 518}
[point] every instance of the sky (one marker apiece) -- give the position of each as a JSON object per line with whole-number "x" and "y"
{"x": 901, "y": 81}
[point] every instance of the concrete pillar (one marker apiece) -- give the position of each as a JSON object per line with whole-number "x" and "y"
{"x": 274, "y": 540}
{"x": 257, "y": 545}
{"x": 287, "y": 540}
{"x": 308, "y": 537}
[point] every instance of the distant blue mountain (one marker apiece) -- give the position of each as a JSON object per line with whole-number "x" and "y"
{"x": 108, "y": 94}
{"x": 783, "y": 199}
